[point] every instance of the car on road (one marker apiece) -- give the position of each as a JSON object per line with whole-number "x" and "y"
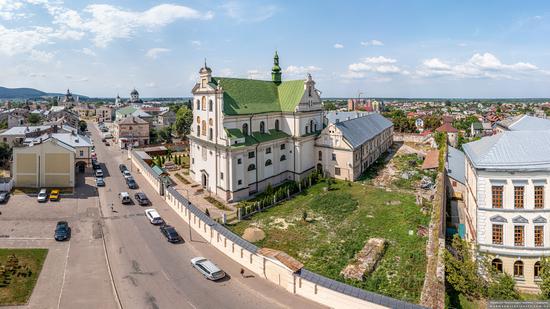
{"x": 153, "y": 216}
{"x": 126, "y": 174}
{"x": 98, "y": 173}
{"x": 132, "y": 184}
{"x": 122, "y": 168}
{"x": 142, "y": 199}
{"x": 170, "y": 233}
{"x": 207, "y": 268}
{"x": 42, "y": 196}
{"x": 4, "y": 196}
{"x": 95, "y": 164}
{"x": 54, "y": 195}
{"x": 99, "y": 182}
{"x": 62, "y": 231}
{"x": 125, "y": 198}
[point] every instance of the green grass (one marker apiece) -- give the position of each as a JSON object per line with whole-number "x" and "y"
{"x": 216, "y": 203}
{"x": 20, "y": 287}
{"x": 339, "y": 223}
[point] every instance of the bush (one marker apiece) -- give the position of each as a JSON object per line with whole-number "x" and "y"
{"x": 502, "y": 288}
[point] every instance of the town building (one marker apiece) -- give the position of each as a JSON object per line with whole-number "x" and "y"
{"x": 345, "y": 149}
{"x": 337, "y": 116}
{"x": 506, "y": 181}
{"x": 51, "y": 160}
{"x": 68, "y": 100}
{"x": 104, "y": 113}
{"x": 134, "y": 97}
{"x": 165, "y": 119}
{"x": 452, "y": 133}
{"x": 522, "y": 123}
{"x": 248, "y": 134}
{"x": 131, "y": 131}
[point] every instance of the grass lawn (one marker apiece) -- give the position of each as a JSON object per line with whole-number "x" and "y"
{"x": 339, "y": 223}
{"x": 21, "y": 281}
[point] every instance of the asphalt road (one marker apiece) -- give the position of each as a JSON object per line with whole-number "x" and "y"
{"x": 149, "y": 272}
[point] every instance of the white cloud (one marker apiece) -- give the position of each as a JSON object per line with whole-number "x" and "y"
{"x": 9, "y": 8}
{"x": 372, "y": 66}
{"x": 154, "y": 53}
{"x": 196, "y": 43}
{"x": 41, "y": 56}
{"x": 300, "y": 70}
{"x": 484, "y": 65}
{"x": 16, "y": 41}
{"x": 248, "y": 12}
{"x": 372, "y": 43}
{"x": 338, "y": 45}
{"x": 151, "y": 85}
{"x": 88, "y": 52}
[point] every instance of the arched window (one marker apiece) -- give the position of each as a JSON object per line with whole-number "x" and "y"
{"x": 210, "y": 105}
{"x": 203, "y": 127}
{"x": 198, "y": 130}
{"x": 518, "y": 269}
{"x": 311, "y": 125}
{"x": 262, "y": 127}
{"x": 268, "y": 162}
{"x": 315, "y": 127}
{"x": 277, "y": 124}
{"x": 203, "y": 103}
{"x": 283, "y": 158}
{"x": 320, "y": 155}
{"x": 536, "y": 270}
{"x": 245, "y": 128}
{"x": 198, "y": 119}
{"x": 497, "y": 264}
{"x": 210, "y": 134}
{"x": 210, "y": 122}
{"x": 198, "y": 104}
{"x": 251, "y": 167}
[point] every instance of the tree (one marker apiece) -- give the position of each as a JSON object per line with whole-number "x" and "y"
{"x": 165, "y": 134}
{"x": 501, "y": 287}
{"x": 82, "y": 125}
{"x": 153, "y": 136}
{"x": 545, "y": 277}
{"x": 461, "y": 270}
{"x": 5, "y": 153}
{"x": 184, "y": 120}
{"x": 329, "y": 106}
{"x": 33, "y": 118}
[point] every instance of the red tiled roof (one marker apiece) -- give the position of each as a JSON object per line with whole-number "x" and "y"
{"x": 426, "y": 132}
{"x": 446, "y": 127}
{"x": 431, "y": 160}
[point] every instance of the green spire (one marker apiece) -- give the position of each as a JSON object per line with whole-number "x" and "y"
{"x": 276, "y": 70}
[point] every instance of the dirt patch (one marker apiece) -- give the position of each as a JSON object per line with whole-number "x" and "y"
{"x": 365, "y": 260}
{"x": 281, "y": 223}
{"x": 253, "y": 234}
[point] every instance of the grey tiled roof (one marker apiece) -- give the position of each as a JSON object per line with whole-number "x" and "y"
{"x": 511, "y": 150}
{"x": 456, "y": 168}
{"x": 359, "y": 130}
{"x": 354, "y": 292}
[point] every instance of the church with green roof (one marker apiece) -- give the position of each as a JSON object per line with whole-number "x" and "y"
{"x": 248, "y": 134}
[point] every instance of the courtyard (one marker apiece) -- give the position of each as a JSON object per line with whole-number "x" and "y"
{"x": 326, "y": 225}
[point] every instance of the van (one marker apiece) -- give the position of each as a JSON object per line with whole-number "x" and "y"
{"x": 125, "y": 198}
{"x": 153, "y": 216}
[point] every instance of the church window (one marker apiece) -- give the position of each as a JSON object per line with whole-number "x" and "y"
{"x": 283, "y": 146}
{"x": 198, "y": 130}
{"x": 198, "y": 119}
{"x": 210, "y": 134}
{"x": 245, "y": 128}
{"x": 239, "y": 161}
{"x": 203, "y": 103}
{"x": 268, "y": 163}
{"x": 283, "y": 158}
{"x": 203, "y": 131}
{"x": 320, "y": 155}
{"x": 277, "y": 124}
{"x": 307, "y": 129}
{"x": 262, "y": 127}
{"x": 210, "y": 105}
{"x": 268, "y": 150}
{"x": 198, "y": 104}
{"x": 251, "y": 154}
{"x": 210, "y": 122}
{"x": 251, "y": 167}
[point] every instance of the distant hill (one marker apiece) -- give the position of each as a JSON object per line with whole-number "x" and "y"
{"x": 20, "y": 93}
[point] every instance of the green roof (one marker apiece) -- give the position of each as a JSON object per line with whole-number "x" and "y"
{"x": 234, "y": 133}
{"x": 126, "y": 110}
{"x": 249, "y": 96}
{"x": 258, "y": 137}
{"x": 158, "y": 170}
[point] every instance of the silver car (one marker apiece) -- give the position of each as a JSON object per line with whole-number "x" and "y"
{"x": 42, "y": 196}
{"x": 207, "y": 268}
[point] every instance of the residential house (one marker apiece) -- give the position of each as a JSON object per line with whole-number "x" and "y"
{"x": 131, "y": 132}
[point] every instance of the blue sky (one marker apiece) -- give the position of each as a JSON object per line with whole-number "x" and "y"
{"x": 378, "y": 48}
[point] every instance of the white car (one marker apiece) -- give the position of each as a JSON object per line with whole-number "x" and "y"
{"x": 207, "y": 268}
{"x": 153, "y": 216}
{"x": 126, "y": 174}
{"x": 42, "y": 196}
{"x": 98, "y": 173}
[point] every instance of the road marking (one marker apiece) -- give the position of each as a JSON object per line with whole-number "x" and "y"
{"x": 64, "y": 274}
{"x": 165, "y": 275}
{"x": 191, "y": 304}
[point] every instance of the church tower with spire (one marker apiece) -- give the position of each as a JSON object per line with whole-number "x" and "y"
{"x": 276, "y": 70}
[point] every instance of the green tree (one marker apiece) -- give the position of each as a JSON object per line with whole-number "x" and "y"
{"x": 461, "y": 270}
{"x": 329, "y": 106}
{"x": 5, "y": 153}
{"x": 153, "y": 136}
{"x": 545, "y": 277}
{"x": 82, "y": 126}
{"x": 432, "y": 122}
{"x": 184, "y": 120}
{"x": 501, "y": 287}
{"x": 33, "y": 119}
{"x": 165, "y": 134}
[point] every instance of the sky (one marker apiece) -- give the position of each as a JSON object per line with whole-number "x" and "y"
{"x": 450, "y": 49}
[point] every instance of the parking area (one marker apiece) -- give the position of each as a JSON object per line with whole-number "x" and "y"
{"x": 75, "y": 272}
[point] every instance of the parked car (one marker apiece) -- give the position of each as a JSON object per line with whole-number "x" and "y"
{"x": 125, "y": 198}
{"x": 141, "y": 199}
{"x": 95, "y": 164}
{"x": 98, "y": 173}
{"x": 132, "y": 184}
{"x": 107, "y": 144}
{"x": 4, "y": 196}
{"x": 153, "y": 216}
{"x": 170, "y": 233}
{"x": 54, "y": 195}
{"x": 207, "y": 268}
{"x": 122, "y": 168}
{"x": 126, "y": 174}
{"x": 62, "y": 231}
{"x": 42, "y": 196}
{"x": 99, "y": 182}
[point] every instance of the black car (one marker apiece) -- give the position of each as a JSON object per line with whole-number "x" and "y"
{"x": 142, "y": 199}
{"x": 62, "y": 231}
{"x": 122, "y": 168}
{"x": 95, "y": 164}
{"x": 4, "y": 196}
{"x": 170, "y": 233}
{"x": 132, "y": 184}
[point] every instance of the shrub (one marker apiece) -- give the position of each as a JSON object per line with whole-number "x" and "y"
{"x": 502, "y": 288}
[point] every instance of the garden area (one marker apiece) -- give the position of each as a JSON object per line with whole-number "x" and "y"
{"x": 19, "y": 271}
{"x": 326, "y": 224}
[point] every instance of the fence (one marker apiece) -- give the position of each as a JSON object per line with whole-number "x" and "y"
{"x": 302, "y": 282}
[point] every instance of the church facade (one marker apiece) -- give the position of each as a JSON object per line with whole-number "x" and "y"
{"x": 248, "y": 134}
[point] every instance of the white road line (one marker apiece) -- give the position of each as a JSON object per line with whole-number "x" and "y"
{"x": 191, "y": 304}
{"x": 64, "y": 274}
{"x": 165, "y": 275}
